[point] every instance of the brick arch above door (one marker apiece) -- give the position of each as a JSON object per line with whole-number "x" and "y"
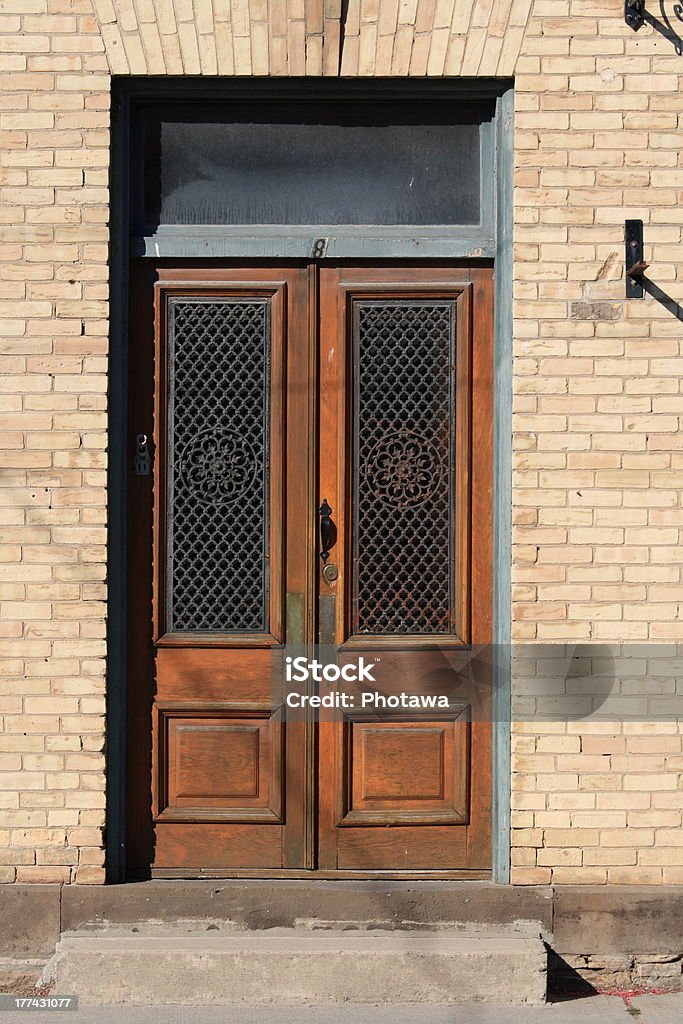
{"x": 313, "y": 37}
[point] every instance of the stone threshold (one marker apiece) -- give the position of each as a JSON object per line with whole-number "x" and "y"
{"x": 599, "y": 938}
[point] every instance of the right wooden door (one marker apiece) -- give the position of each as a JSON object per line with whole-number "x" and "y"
{"x": 405, "y": 442}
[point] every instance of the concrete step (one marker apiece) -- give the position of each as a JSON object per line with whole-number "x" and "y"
{"x": 289, "y": 966}
{"x": 260, "y": 904}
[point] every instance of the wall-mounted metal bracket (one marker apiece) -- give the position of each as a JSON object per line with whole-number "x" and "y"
{"x": 634, "y": 13}
{"x": 635, "y": 265}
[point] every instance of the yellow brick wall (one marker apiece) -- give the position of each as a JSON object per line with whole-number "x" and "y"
{"x": 597, "y": 447}
{"x": 54, "y": 136}
{"x": 597, "y": 488}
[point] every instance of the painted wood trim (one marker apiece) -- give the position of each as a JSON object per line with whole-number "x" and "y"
{"x": 502, "y": 489}
{"x": 298, "y": 243}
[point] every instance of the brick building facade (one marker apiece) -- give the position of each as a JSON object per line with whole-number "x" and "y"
{"x": 596, "y": 492}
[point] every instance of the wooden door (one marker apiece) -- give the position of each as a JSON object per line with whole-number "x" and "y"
{"x": 405, "y": 448}
{"x": 263, "y": 391}
{"x": 219, "y": 568}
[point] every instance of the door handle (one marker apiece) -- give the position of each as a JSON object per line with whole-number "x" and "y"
{"x": 328, "y": 531}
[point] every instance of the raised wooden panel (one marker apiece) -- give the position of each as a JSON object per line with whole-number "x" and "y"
{"x": 407, "y": 772}
{"x": 223, "y": 765}
{"x": 403, "y": 848}
{"x": 216, "y": 846}
{"x": 386, "y": 750}
{"x": 214, "y": 762}
{"x": 250, "y": 677}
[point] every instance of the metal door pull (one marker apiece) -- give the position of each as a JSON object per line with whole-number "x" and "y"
{"x": 328, "y": 531}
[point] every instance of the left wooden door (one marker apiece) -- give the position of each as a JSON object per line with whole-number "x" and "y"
{"x": 219, "y": 568}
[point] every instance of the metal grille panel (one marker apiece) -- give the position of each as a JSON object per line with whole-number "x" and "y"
{"x": 404, "y": 429}
{"x": 218, "y": 464}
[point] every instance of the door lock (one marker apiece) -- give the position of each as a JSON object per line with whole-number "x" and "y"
{"x": 142, "y": 462}
{"x": 330, "y": 572}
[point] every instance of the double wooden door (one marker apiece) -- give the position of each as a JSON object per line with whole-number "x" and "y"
{"x": 311, "y": 463}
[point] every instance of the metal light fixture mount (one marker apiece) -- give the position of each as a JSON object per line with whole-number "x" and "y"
{"x": 634, "y": 13}
{"x": 635, "y": 259}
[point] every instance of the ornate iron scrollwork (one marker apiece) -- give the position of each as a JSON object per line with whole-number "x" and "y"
{"x": 404, "y": 469}
{"x": 404, "y": 424}
{"x": 217, "y": 466}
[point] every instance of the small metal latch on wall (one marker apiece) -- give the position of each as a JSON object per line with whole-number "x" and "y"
{"x": 635, "y": 263}
{"x": 634, "y": 13}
